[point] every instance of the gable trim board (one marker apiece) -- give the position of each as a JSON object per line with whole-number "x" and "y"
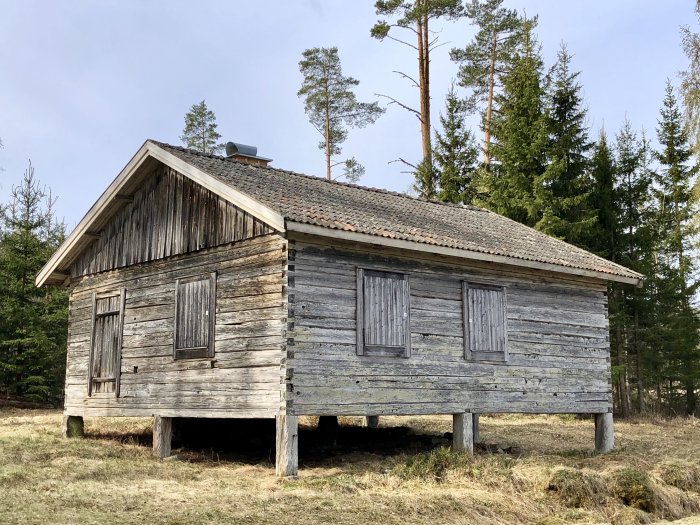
{"x": 113, "y": 199}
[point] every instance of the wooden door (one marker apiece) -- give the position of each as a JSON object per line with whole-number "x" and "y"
{"x": 105, "y": 347}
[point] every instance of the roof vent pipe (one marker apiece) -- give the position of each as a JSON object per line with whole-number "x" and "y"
{"x": 245, "y": 153}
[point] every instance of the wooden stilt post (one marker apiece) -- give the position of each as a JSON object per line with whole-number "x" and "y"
{"x": 475, "y": 428}
{"x": 604, "y": 432}
{"x": 371, "y": 421}
{"x": 73, "y": 426}
{"x": 462, "y": 432}
{"x": 162, "y": 436}
{"x": 287, "y": 457}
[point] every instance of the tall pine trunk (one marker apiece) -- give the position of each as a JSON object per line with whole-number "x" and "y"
{"x": 424, "y": 88}
{"x": 489, "y": 102}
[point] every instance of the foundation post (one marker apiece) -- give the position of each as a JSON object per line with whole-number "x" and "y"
{"x": 463, "y": 432}
{"x": 604, "y": 432}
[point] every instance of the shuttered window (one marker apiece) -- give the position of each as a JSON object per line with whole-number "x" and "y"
{"x": 105, "y": 342}
{"x": 485, "y": 323}
{"x": 383, "y": 314}
{"x": 195, "y": 301}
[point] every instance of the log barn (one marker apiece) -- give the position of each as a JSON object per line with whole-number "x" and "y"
{"x": 219, "y": 287}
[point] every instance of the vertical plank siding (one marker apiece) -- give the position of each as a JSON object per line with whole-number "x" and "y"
{"x": 170, "y": 215}
{"x": 485, "y": 324}
{"x": 556, "y": 340}
{"x": 243, "y": 377}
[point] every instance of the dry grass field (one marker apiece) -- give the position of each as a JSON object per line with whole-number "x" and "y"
{"x": 531, "y": 469}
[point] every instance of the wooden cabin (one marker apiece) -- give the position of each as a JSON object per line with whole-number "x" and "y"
{"x": 218, "y": 287}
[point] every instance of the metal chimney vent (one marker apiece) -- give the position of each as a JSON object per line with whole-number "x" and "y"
{"x": 245, "y": 153}
{"x": 233, "y": 148}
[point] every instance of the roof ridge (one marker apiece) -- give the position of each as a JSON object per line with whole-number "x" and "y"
{"x": 322, "y": 179}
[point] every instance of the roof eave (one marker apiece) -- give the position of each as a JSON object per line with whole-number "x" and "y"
{"x": 323, "y": 231}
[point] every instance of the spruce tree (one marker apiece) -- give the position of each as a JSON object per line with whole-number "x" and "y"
{"x": 455, "y": 153}
{"x": 484, "y": 61}
{"x": 520, "y": 134}
{"x": 200, "y": 130}
{"x": 331, "y": 105}
{"x": 602, "y": 236}
{"x": 676, "y": 240}
{"x": 562, "y": 191}
{"x": 33, "y": 321}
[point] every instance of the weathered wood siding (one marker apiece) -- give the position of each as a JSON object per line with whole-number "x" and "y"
{"x": 557, "y": 338}
{"x": 169, "y": 215}
{"x": 243, "y": 377}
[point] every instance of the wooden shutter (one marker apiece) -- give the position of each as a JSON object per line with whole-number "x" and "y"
{"x": 383, "y": 307}
{"x": 485, "y": 324}
{"x": 106, "y": 342}
{"x": 195, "y": 300}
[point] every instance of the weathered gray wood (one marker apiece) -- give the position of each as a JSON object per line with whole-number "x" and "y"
{"x": 462, "y": 433}
{"x": 371, "y": 421}
{"x": 195, "y": 311}
{"x": 485, "y": 329}
{"x": 558, "y": 357}
{"x": 476, "y": 428}
{"x": 383, "y": 314}
{"x": 168, "y": 215}
{"x": 287, "y": 453}
{"x": 162, "y": 436}
{"x": 242, "y": 378}
{"x": 72, "y": 426}
{"x": 604, "y": 432}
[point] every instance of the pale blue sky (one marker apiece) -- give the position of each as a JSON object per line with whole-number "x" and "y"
{"x": 84, "y": 83}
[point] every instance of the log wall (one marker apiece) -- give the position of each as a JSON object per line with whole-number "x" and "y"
{"x": 557, "y": 338}
{"x": 243, "y": 377}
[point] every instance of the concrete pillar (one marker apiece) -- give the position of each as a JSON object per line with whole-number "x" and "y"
{"x": 162, "y": 436}
{"x": 604, "y": 432}
{"x": 287, "y": 457}
{"x": 72, "y": 426}
{"x": 475, "y": 428}
{"x": 371, "y": 422}
{"x": 463, "y": 432}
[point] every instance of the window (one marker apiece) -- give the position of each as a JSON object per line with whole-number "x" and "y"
{"x": 106, "y": 342}
{"x": 485, "y": 331}
{"x": 383, "y": 314}
{"x": 195, "y": 300}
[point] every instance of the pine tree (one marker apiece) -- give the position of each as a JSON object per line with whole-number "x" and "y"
{"x": 414, "y": 17}
{"x": 33, "y": 321}
{"x": 677, "y": 236}
{"x": 200, "y": 130}
{"x": 520, "y": 134}
{"x": 455, "y": 153}
{"x": 331, "y": 105}
{"x": 484, "y": 61}
{"x": 690, "y": 81}
{"x": 562, "y": 192}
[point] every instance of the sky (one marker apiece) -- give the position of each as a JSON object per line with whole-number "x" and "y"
{"x": 83, "y": 83}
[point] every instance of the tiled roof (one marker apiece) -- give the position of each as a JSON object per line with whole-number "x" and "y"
{"x": 316, "y": 201}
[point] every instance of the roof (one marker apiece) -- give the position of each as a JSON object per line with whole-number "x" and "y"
{"x": 291, "y": 201}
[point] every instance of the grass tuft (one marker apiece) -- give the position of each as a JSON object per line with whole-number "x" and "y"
{"x": 635, "y": 489}
{"x": 435, "y": 464}
{"x": 685, "y": 477}
{"x": 576, "y": 488}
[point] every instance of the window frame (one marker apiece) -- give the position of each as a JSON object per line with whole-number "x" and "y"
{"x": 119, "y": 313}
{"x": 364, "y": 349}
{"x": 468, "y": 352}
{"x": 200, "y": 352}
